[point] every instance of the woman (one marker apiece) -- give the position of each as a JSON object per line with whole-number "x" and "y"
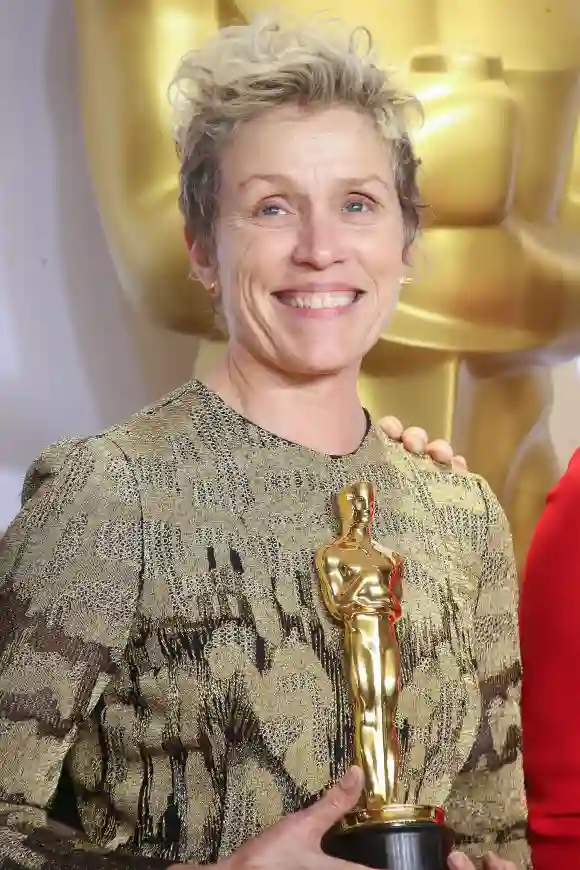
{"x": 550, "y": 640}
{"x": 164, "y": 634}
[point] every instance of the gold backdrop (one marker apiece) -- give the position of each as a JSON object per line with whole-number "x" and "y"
{"x": 495, "y": 296}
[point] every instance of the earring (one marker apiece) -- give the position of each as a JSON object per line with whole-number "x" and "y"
{"x": 405, "y": 280}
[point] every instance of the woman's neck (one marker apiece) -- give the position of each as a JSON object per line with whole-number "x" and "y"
{"x": 322, "y": 413}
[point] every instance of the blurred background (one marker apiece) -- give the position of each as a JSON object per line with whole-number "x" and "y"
{"x": 75, "y": 357}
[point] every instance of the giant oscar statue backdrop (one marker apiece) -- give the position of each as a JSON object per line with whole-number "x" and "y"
{"x": 495, "y": 297}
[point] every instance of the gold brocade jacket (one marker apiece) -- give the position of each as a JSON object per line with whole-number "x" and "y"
{"x": 163, "y": 640}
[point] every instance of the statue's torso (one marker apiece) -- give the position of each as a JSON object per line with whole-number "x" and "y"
{"x": 366, "y": 585}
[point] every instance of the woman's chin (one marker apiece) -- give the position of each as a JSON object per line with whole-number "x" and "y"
{"x": 315, "y": 362}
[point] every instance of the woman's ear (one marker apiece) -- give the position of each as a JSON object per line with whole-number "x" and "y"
{"x": 201, "y": 265}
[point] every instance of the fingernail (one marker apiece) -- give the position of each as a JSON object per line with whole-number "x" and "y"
{"x": 391, "y": 427}
{"x": 350, "y": 777}
{"x": 457, "y": 861}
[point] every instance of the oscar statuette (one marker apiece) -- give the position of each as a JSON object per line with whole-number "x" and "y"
{"x": 362, "y": 588}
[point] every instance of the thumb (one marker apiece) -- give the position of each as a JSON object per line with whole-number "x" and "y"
{"x": 341, "y": 798}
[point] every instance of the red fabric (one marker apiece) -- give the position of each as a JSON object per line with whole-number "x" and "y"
{"x": 550, "y": 639}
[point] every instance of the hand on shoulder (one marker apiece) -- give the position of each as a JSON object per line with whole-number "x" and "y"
{"x": 416, "y": 440}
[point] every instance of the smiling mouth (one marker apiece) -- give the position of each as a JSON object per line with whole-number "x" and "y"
{"x": 320, "y": 301}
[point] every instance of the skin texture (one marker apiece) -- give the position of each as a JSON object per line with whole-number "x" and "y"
{"x": 327, "y": 217}
{"x": 308, "y": 203}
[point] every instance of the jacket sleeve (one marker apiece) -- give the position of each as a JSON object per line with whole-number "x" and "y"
{"x": 70, "y": 567}
{"x": 550, "y": 638}
{"x": 487, "y": 806}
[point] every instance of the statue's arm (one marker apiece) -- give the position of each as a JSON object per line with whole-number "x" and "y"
{"x": 331, "y": 582}
{"x": 570, "y": 212}
{"x": 554, "y": 257}
{"x": 128, "y": 53}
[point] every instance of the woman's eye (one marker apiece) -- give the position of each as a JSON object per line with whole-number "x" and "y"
{"x": 356, "y": 206}
{"x": 272, "y": 209}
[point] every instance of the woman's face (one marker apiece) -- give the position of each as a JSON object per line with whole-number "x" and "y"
{"x": 309, "y": 239}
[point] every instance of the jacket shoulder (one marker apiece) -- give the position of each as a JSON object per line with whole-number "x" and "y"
{"x": 150, "y": 430}
{"x": 440, "y": 483}
{"x": 154, "y": 429}
{"x": 69, "y": 458}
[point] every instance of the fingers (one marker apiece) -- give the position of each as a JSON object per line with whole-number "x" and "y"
{"x": 415, "y": 440}
{"x": 392, "y": 427}
{"x": 441, "y": 451}
{"x": 459, "y": 861}
{"x": 492, "y": 862}
{"x": 337, "y": 801}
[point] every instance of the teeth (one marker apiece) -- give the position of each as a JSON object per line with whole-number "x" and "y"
{"x": 318, "y": 300}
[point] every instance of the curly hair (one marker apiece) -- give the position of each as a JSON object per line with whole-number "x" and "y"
{"x": 248, "y": 69}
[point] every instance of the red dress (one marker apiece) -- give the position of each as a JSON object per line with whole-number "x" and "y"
{"x": 550, "y": 638}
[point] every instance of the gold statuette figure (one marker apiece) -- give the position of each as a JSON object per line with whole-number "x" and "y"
{"x": 361, "y": 587}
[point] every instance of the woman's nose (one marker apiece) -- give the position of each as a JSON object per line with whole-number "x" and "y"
{"x": 319, "y": 243}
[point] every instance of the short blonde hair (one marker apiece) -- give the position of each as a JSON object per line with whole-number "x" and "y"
{"x": 248, "y": 69}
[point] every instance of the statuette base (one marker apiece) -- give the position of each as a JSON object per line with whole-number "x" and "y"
{"x": 394, "y": 837}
